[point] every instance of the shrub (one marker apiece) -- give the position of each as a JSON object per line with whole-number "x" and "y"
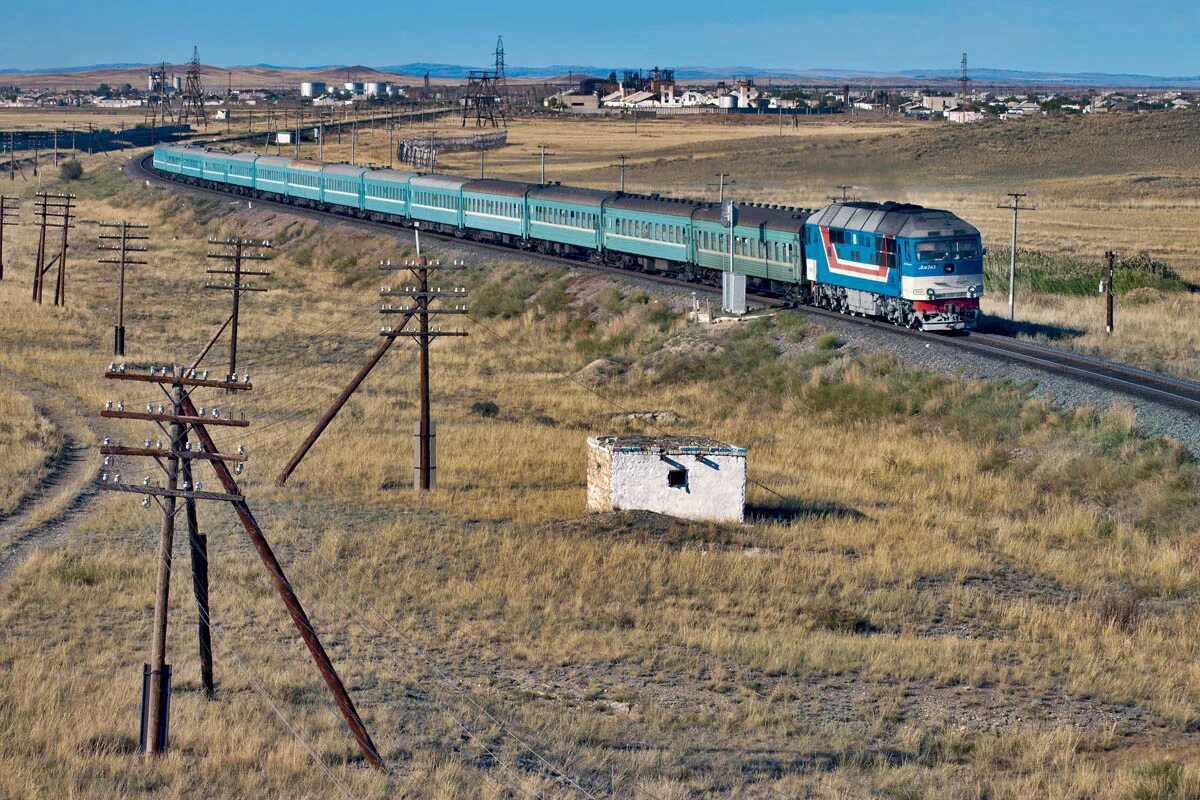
{"x": 485, "y": 408}
{"x": 71, "y": 170}
{"x": 828, "y": 341}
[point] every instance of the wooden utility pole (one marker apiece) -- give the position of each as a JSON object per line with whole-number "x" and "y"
{"x": 389, "y": 338}
{"x": 198, "y": 548}
{"x": 422, "y": 297}
{"x": 723, "y": 180}
{"x": 1110, "y": 257}
{"x": 125, "y": 243}
{"x": 1016, "y": 207}
{"x": 9, "y": 206}
{"x": 542, "y": 153}
{"x": 620, "y": 165}
{"x": 182, "y": 416}
{"x": 238, "y": 251}
{"x": 52, "y": 210}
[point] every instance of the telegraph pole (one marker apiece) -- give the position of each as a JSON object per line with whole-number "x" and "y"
{"x": 1109, "y": 257}
{"x": 1016, "y": 207}
{"x": 239, "y": 250}
{"x": 542, "y": 152}
{"x": 9, "y": 206}
{"x": 422, "y": 296}
{"x": 126, "y": 243}
{"x": 620, "y": 165}
{"x": 184, "y": 415}
{"x": 723, "y": 180}
{"x": 52, "y": 210}
{"x": 845, "y": 191}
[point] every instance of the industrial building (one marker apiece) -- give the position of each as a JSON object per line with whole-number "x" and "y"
{"x": 692, "y": 477}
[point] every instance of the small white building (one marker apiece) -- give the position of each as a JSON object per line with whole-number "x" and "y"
{"x": 692, "y": 477}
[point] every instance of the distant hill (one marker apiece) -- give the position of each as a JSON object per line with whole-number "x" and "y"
{"x": 271, "y": 75}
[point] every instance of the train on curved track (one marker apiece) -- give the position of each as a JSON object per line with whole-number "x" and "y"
{"x": 913, "y": 266}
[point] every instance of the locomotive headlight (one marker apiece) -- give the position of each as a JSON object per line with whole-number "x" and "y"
{"x": 971, "y": 290}
{"x": 930, "y": 293}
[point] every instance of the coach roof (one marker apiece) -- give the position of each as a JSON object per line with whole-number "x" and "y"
{"x": 754, "y": 215}
{"x": 498, "y": 187}
{"x": 652, "y": 204}
{"x": 553, "y": 193}
{"x": 444, "y": 182}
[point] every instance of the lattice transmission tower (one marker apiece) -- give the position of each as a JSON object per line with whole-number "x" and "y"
{"x": 193, "y": 94}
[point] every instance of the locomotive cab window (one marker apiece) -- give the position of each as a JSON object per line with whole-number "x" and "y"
{"x": 932, "y": 251}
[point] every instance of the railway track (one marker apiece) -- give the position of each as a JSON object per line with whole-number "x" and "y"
{"x": 1120, "y": 378}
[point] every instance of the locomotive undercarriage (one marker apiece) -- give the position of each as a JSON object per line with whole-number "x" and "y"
{"x": 852, "y": 302}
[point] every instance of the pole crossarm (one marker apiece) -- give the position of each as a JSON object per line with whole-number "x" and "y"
{"x": 183, "y": 380}
{"x": 157, "y": 491}
{"x": 157, "y": 452}
{"x": 236, "y": 287}
{"x": 181, "y": 419}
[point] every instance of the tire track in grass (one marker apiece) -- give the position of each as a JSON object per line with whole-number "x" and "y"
{"x": 68, "y": 487}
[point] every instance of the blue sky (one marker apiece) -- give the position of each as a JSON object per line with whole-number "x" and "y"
{"x": 1157, "y": 37}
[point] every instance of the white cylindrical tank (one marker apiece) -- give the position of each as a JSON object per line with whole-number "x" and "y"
{"x": 354, "y": 87}
{"x": 375, "y": 88}
{"x": 728, "y": 101}
{"x": 312, "y": 89}
{"x": 177, "y": 80}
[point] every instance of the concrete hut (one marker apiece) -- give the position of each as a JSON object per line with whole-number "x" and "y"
{"x": 693, "y": 477}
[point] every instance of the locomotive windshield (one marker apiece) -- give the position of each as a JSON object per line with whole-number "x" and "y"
{"x": 942, "y": 249}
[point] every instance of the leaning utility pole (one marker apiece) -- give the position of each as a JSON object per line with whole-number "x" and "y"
{"x": 52, "y": 210}
{"x": 1015, "y": 207}
{"x": 424, "y": 455}
{"x": 239, "y": 250}
{"x": 9, "y": 206}
{"x": 126, "y": 243}
{"x": 184, "y": 415}
{"x": 1109, "y": 257}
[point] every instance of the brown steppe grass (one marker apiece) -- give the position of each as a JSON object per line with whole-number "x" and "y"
{"x": 27, "y": 442}
{"x": 947, "y": 589}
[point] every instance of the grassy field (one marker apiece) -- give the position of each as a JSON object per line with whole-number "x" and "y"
{"x": 27, "y": 442}
{"x": 947, "y": 589}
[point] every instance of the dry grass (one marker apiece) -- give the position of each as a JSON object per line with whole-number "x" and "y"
{"x": 915, "y": 615}
{"x": 27, "y": 442}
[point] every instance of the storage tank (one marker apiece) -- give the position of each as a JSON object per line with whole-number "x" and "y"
{"x": 354, "y": 87}
{"x": 375, "y": 88}
{"x": 312, "y": 89}
{"x": 177, "y": 81}
{"x": 727, "y": 101}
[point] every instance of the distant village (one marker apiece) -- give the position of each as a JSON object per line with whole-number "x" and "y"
{"x": 654, "y": 90}
{"x": 658, "y": 91}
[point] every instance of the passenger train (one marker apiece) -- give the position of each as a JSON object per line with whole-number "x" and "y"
{"x": 913, "y": 266}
